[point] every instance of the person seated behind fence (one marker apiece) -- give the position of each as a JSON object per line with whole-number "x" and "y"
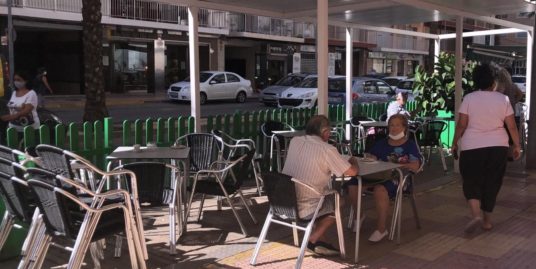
{"x": 22, "y": 105}
{"x": 312, "y": 160}
{"x": 398, "y": 106}
{"x": 398, "y": 148}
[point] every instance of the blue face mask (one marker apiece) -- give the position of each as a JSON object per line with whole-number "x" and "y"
{"x": 19, "y": 84}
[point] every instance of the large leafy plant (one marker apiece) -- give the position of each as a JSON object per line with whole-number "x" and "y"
{"x": 435, "y": 91}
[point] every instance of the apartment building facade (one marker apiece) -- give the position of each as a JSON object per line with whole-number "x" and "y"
{"x": 145, "y": 45}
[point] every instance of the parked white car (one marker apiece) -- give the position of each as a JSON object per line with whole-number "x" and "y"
{"x": 304, "y": 95}
{"x": 214, "y": 85}
{"x": 520, "y": 81}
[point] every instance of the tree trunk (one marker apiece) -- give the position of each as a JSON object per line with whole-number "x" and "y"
{"x": 95, "y": 108}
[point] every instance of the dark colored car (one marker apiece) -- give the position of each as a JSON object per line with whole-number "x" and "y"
{"x": 364, "y": 90}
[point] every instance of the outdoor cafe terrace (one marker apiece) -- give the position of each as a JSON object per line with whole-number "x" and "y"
{"x": 216, "y": 241}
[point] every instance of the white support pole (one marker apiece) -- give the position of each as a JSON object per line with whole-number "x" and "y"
{"x": 322, "y": 55}
{"x": 349, "y": 74}
{"x": 437, "y": 50}
{"x": 528, "y": 75}
{"x": 458, "y": 73}
{"x": 195, "y": 105}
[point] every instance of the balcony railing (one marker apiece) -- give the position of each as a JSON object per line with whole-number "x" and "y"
{"x": 239, "y": 22}
{"x": 132, "y": 10}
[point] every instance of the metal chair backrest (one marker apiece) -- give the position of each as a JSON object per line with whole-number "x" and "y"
{"x": 281, "y": 192}
{"x": 150, "y": 180}
{"x": 431, "y": 133}
{"x": 16, "y": 196}
{"x": 268, "y": 127}
{"x": 204, "y": 150}
{"x": 243, "y": 168}
{"x": 56, "y": 209}
{"x": 54, "y": 159}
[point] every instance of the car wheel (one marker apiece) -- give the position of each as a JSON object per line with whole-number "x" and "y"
{"x": 203, "y": 98}
{"x": 241, "y": 97}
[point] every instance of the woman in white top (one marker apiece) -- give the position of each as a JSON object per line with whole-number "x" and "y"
{"x": 22, "y": 105}
{"x": 483, "y": 143}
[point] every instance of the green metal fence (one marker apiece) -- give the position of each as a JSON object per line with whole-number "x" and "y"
{"x": 95, "y": 141}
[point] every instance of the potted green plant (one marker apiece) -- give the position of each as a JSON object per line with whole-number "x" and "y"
{"x": 435, "y": 91}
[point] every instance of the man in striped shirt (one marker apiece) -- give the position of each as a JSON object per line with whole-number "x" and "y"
{"x": 312, "y": 160}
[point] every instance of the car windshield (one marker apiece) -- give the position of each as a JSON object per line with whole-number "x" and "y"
{"x": 289, "y": 81}
{"x": 518, "y": 79}
{"x": 336, "y": 85}
{"x": 405, "y": 84}
{"x": 391, "y": 81}
{"x": 202, "y": 77}
{"x": 307, "y": 83}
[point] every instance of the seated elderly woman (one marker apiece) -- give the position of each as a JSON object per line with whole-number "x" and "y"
{"x": 396, "y": 148}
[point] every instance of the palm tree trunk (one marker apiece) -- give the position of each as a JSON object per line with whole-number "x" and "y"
{"x": 95, "y": 108}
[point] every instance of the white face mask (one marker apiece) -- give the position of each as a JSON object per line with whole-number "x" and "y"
{"x": 19, "y": 84}
{"x": 397, "y": 136}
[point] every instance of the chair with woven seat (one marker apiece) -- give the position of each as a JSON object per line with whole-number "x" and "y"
{"x": 215, "y": 184}
{"x": 281, "y": 192}
{"x": 429, "y": 137}
{"x": 66, "y": 216}
{"x": 205, "y": 148}
{"x": 232, "y": 146}
{"x": 158, "y": 184}
{"x": 276, "y": 141}
{"x": 359, "y": 135}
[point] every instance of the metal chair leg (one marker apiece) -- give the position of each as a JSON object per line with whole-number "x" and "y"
{"x": 442, "y": 154}
{"x": 201, "y": 207}
{"x": 5, "y": 227}
{"x": 247, "y": 207}
{"x": 295, "y": 234}
{"x": 262, "y": 236}
{"x": 305, "y": 240}
{"x": 242, "y": 227}
{"x": 350, "y": 218}
{"x": 93, "y": 250}
{"x": 118, "y": 244}
{"x": 338, "y": 221}
{"x": 415, "y": 212}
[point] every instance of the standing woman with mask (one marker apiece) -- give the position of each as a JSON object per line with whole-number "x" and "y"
{"x": 22, "y": 105}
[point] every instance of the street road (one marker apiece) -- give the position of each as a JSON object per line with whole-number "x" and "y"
{"x": 164, "y": 108}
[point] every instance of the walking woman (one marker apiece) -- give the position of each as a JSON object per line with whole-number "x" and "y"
{"x": 22, "y": 105}
{"x": 483, "y": 143}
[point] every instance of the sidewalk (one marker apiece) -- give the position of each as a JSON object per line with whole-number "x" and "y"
{"x": 216, "y": 241}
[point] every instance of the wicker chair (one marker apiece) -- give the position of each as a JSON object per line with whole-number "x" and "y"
{"x": 276, "y": 141}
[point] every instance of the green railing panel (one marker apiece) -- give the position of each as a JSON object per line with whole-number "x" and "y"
{"x": 246, "y": 125}
{"x": 97, "y": 152}
{"x": 171, "y": 130}
{"x": 60, "y": 136}
{"x": 181, "y": 126}
{"x": 210, "y": 124}
{"x": 108, "y": 135}
{"x": 236, "y": 130}
{"x": 127, "y": 133}
{"x": 87, "y": 140}
{"x": 255, "y": 123}
{"x": 191, "y": 125}
{"x": 227, "y": 124}
{"x": 74, "y": 138}
{"x": 44, "y": 135}
{"x": 149, "y": 131}
{"x": 138, "y": 128}
{"x": 161, "y": 133}
{"x": 218, "y": 123}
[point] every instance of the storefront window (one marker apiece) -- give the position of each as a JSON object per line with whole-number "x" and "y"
{"x": 130, "y": 66}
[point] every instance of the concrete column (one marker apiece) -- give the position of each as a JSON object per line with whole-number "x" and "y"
{"x": 159, "y": 65}
{"x": 458, "y": 73}
{"x": 322, "y": 55}
{"x": 528, "y": 75}
{"x": 349, "y": 72}
{"x": 437, "y": 50}
{"x": 195, "y": 106}
{"x": 221, "y": 55}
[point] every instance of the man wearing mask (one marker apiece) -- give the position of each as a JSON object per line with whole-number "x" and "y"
{"x": 398, "y": 106}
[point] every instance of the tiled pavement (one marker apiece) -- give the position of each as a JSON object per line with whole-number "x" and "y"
{"x": 216, "y": 242}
